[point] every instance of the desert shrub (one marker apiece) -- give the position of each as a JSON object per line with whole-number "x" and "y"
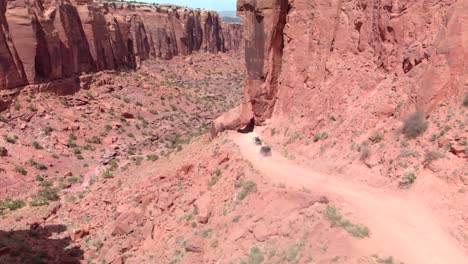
{"x": 131, "y": 149}
{"x": 217, "y": 172}
{"x": 32, "y": 108}
{"x": 46, "y": 183}
{"x": 113, "y": 165}
{"x": 76, "y": 151}
{"x": 44, "y": 196}
{"x": 47, "y": 130}
{"x": 415, "y": 125}
{"x": 36, "y": 145}
{"x": 320, "y": 135}
{"x": 108, "y": 174}
{"x": 39, "y": 178}
{"x": 37, "y": 165}
{"x": 408, "y": 179}
{"x": 365, "y": 151}
{"x": 94, "y": 140}
{"x": 207, "y": 233}
{"x": 48, "y": 193}
{"x": 21, "y": 170}
{"x": 430, "y": 156}
{"x": 152, "y": 157}
{"x": 255, "y": 256}
{"x": 273, "y": 131}
{"x": 377, "y": 137}
{"x": 336, "y": 219}
{"x": 11, "y": 140}
{"x": 89, "y": 95}
{"x": 89, "y": 147}
{"x": 248, "y": 187}
{"x": 3, "y": 152}
{"x": 12, "y": 204}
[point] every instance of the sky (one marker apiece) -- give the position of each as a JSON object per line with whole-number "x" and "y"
{"x": 218, "y": 5}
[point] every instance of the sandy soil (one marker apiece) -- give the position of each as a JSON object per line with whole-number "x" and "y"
{"x": 403, "y": 226}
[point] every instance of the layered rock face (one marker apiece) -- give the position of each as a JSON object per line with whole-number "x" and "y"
{"x": 307, "y": 58}
{"x": 233, "y": 36}
{"x": 44, "y": 41}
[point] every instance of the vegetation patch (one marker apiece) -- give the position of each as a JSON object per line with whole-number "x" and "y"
{"x": 337, "y": 220}
{"x": 431, "y": 156}
{"x": 320, "y": 135}
{"x": 12, "y": 204}
{"x": 3, "y": 152}
{"x": 44, "y": 196}
{"x": 408, "y": 179}
{"x": 21, "y": 170}
{"x": 248, "y": 187}
{"x": 108, "y": 174}
{"x": 415, "y": 125}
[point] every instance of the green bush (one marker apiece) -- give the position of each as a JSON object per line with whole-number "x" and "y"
{"x": 48, "y": 193}
{"x": 36, "y": 145}
{"x": 47, "y": 130}
{"x": 248, "y": 187}
{"x": 320, "y": 135}
{"x": 430, "y": 156}
{"x": 415, "y": 125}
{"x": 12, "y": 204}
{"x": 152, "y": 157}
{"x": 108, "y": 174}
{"x": 336, "y": 219}
{"x": 3, "y": 152}
{"x": 44, "y": 196}
{"x": 11, "y": 140}
{"x": 94, "y": 140}
{"x": 21, "y": 170}
{"x": 408, "y": 179}
{"x": 37, "y": 165}
{"x": 377, "y": 137}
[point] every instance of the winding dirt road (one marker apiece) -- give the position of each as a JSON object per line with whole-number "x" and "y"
{"x": 401, "y": 227}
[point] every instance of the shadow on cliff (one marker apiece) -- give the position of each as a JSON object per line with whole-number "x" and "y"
{"x": 35, "y": 245}
{"x": 247, "y": 128}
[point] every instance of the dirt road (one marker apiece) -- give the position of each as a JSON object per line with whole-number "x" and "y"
{"x": 400, "y": 227}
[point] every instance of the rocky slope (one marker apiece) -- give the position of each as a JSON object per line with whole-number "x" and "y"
{"x": 53, "y": 42}
{"x": 375, "y": 91}
{"x": 327, "y": 85}
{"x": 321, "y": 51}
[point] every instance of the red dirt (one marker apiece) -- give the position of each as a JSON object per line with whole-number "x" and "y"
{"x": 399, "y": 225}
{"x": 364, "y": 104}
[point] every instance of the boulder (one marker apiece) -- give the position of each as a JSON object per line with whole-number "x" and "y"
{"x": 204, "y": 207}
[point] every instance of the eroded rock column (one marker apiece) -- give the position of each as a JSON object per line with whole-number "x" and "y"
{"x": 264, "y": 22}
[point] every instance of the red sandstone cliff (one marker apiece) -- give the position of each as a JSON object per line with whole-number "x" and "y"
{"x": 308, "y": 58}
{"x": 44, "y": 41}
{"x": 233, "y": 38}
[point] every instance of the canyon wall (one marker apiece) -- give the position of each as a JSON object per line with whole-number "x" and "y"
{"x": 50, "y": 41}
{"x": 310, "y": 58}
{"x": 233, "y": 36}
